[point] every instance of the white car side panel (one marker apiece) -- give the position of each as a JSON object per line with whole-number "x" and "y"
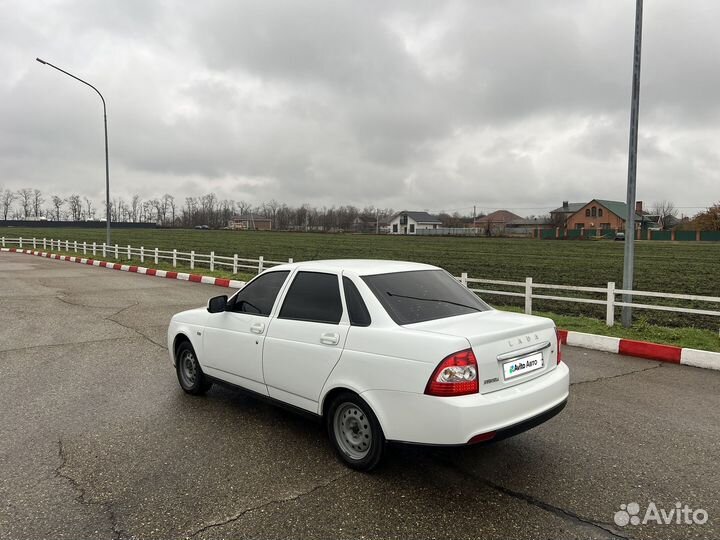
{"x": 232, "y": 348}
{"x": 297, "y": 363}
{"x": 410, "y": 417}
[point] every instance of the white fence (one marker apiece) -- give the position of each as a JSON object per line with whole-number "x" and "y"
{"x": 605, "y": 296}
{"x": 143, "y": 254}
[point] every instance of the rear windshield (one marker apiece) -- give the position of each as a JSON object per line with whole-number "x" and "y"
{"x": 423, "y": 295}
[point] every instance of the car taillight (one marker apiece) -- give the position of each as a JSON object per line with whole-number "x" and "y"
{"x": 457, "y": 375}
{"x": 559, "y": 346}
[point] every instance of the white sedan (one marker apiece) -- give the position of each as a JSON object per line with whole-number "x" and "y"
{"x": 380, "y": 350}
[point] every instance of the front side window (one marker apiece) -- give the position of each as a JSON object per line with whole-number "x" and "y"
{"x": 412, "y": 227}
{"x": 258, "y": 297}
{"x": 395, "y": 227}
{"x": 422, "y": 295}
{"x": 314, "y": 297}
{"x": 587, "y": 212}
{"x": 600, "y": 212}
{"x": 594, "y": 212}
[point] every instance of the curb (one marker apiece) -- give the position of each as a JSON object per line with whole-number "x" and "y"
{"x": 196, "y": 278}
{"x": 642, "y": 349}
{"x": 627, "y": 347}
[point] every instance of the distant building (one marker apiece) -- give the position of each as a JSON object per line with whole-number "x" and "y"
{"x": 495, "y": 222}
{"x": 560, "y": 215}
{"x": 602, "y": 214}
{"x": 250, "y": 222}
{"x": 406, "y": 222}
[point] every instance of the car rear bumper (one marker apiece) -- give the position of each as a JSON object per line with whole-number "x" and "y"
{"x": 423, "y": 419}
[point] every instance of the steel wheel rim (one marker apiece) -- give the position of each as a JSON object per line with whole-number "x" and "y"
{"x": 353, "y": 431}
{"x": 188, "y": 369}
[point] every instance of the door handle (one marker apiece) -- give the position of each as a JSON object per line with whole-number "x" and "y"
{"x": 331, "y": 338}
{"x": 257, "y": 328}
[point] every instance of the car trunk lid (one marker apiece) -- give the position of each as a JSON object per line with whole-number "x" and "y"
{"x": 510, "y": 348}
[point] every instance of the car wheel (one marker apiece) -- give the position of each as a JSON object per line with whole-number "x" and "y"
{"x": 189, "y": 373}
{"x": 355, "y": 432}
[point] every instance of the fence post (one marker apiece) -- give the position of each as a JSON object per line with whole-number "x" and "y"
{"x": 67, "y": 245}
{"x": 104, "y": 249}
{"x": 129, "y": 252}
{"x": 84, "y": 247}
{"x": 34, "y": 243}
{"x": 174, "y": 258}
{"x": 156, "y": 255}
{"x": 142, "y": 254}
{"x": 528, "y": 296}
{"x": 192, "y": 259}
{"x": 117, "y": 252}
{"x": 235, "y": 263}
{"x": 44, "y": 243}
{"x": 3, "y": 241}
{"x": 463, "y": 279}
{"x": 94, "y": 248}
{"x": 212, "y": 261}
{"x": 260, "y": 264}
{"x": 20, "y": 241}
{"x": 290, "y": 260}
{"x": 610, "y": 313}
{"x": 75, "y": 246}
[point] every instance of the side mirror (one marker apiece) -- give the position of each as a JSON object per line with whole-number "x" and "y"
{"x": 217, "y": 304}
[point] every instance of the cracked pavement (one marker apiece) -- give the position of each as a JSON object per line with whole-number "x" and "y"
{"x": 98, "y": 441}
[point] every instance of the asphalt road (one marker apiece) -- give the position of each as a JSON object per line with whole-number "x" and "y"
{"x": 98, "y": 441}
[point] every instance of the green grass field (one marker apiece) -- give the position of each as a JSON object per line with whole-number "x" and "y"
{"x": 679, "y": 267}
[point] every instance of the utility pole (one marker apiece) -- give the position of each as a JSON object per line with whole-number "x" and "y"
{"x": 629, "y": 261}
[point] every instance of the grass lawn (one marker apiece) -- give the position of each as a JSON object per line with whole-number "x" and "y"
{"x": 678, "y": 267}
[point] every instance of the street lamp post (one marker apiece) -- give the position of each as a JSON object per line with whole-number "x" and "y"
{"x": 629, "y": 259}
{"x": 107, "y": 163}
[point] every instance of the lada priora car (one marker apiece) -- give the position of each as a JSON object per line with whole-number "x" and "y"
{"x": 382, "y": 351}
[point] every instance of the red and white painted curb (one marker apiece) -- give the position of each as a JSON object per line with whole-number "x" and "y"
{"x": 197, "y": 278}
{"x": 642, "y": 349}
{"x": 628, "y": 347}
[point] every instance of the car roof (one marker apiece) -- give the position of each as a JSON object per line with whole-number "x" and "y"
{"x": 360, "y": 267}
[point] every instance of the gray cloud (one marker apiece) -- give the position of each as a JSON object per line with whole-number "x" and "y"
{"x": 409, "y": 104}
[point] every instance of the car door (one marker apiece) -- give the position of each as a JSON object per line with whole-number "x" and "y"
{"x": 305, "y": 339}
{"x": 233, "y": 340}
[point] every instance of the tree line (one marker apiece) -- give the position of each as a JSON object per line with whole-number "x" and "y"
{"x": 167, "y": 211}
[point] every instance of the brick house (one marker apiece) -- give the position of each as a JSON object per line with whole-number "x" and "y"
{"x": 602, "y": 214}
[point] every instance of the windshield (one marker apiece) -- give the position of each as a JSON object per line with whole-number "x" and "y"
{"x": 423, "y": 295}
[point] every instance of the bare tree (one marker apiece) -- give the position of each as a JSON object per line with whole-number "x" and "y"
{"x": 26, "y": 198}
{"x": 57, "y": 203}
{"x": 666, "y": 212}
{"x": 89, "y": 210}
{"x": 75, "y": 203}
{"x": 243, "y": 207}
{"x": 135, "y": 207}
{"x": 172, "y": 205}
{"x": 37, "y": 202}
{"x": 7, "y": 199}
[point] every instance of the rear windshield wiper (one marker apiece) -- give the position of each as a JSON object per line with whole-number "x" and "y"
{"x": 433, "y": 300}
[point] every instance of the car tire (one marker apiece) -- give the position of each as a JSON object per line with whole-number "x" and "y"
{"x": 355, "y": 432}
{"x": 189, "y": 373}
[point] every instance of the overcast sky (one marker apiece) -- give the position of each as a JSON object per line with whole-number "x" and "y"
{"x": 413, "y": 105}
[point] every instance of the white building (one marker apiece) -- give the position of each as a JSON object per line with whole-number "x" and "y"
{"x": 410, "y": 222}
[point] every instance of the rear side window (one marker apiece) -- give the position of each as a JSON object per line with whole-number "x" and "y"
{"x": 423, "y": 295}
{"x": 258, "y": 297}
{"x": 357, "y": 311}
{"x": 313, "y": 296}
